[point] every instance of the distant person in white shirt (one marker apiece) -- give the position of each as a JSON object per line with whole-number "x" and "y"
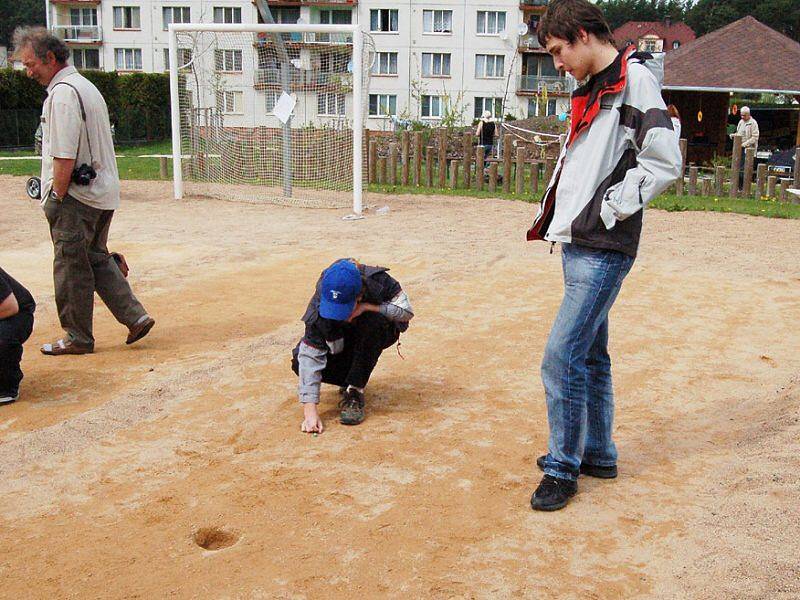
{"x": 748, "y": 129}
{"x": 676, "y": 119}
{"x": 80, "y": 191}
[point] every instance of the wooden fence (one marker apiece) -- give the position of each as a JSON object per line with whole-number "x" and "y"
{"x": 524, "y": 169}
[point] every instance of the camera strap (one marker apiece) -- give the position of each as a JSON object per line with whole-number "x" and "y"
{"x": 83, "y": 117}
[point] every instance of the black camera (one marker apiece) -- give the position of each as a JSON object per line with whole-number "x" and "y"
{"x": 83, "y": 175}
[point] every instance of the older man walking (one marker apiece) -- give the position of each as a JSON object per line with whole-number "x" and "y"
{"x": 80, "y": 191}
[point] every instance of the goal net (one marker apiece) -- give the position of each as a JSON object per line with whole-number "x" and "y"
{"x": 270, "y": 113}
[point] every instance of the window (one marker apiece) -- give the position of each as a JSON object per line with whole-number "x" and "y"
{"x": 333, "y": 62}
{"x": 651, "y": 44}
{"x": 493, "y": 105}
{"x": 176, "y": 14}
{"x": 335, "y": 17}
{"x": 437, "y": 21}
{"x": 489, "y": 65}
{"x": 431, "y": 107}
{"x": 676, "y": 44}
{"x": 536, "y": 109}
{"x": 228, "y": 60}
{"x": 491, "y": 22}
{"x": 330, "y": 104}
{"x": 83, "y": 17}
{"x": 126, "y": 17}
{"x": 227, "y": 14}
{"x": 382, "y": 105}
{"x": 229, "y": 102}
{"x": 86, "y": 58}
{"x": 383, "y": 20}
{"x": 385, "y": 63}
{"x": 184, "y": 58}
{"x": 271, "y": 100}
{"x": 128, "y": 59}
{"x": 435, "y": 64}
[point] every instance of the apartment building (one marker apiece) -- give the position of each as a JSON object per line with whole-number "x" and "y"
{"x": 433, "y": 60}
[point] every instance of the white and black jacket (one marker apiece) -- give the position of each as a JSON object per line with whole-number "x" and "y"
{"x": 620, "y": 154}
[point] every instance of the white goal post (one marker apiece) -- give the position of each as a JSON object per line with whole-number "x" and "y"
{"x": 226, "y": 138}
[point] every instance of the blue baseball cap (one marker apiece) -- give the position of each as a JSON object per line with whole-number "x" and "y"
{"x": 341, "y": 284}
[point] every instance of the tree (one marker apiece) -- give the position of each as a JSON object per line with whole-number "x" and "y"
{"x": 19, "y": 12}
{"x": 619, "y": 12}
{"x": 780, "y": 15}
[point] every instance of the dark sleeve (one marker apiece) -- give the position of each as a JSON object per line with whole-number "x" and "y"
{"x": 9, "y": 285}
{"x": 390, "y": 286}
{"x": 5, "y": 286}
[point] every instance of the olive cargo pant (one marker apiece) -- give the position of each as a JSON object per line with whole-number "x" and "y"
{"x": 82, "y": 266}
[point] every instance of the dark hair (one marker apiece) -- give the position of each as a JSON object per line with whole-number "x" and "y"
{"x": 41, "y": 42}
{"x": 673, "y": 111}
{"x": 565, "y": 18}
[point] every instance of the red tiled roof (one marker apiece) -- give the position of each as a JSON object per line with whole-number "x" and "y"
{"x": 669, "y": 32}
{"x": 745, "y": 55}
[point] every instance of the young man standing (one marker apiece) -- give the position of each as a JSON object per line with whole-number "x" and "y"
{"x": 620, "y": 153}
{"x": 357, "y": 311}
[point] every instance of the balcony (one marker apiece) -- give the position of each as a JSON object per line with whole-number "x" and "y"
{"x": 264, "y": 39}
{"x": 529, "y": 42}
{"x": 270, "y": 78}
{"x": 82, "y": 34}
{"x": 310, "y": 2}
{"x": 531, "y": 84}
{"x": 523, "y": 4}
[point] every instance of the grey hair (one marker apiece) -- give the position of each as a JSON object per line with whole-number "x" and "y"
{"x": 745, "y": 109}
{"x": 41, "y": 42}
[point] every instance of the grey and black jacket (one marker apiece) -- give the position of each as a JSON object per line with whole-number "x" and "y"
{"x": 621, "y": 153}
{"x": 324, "y": 336}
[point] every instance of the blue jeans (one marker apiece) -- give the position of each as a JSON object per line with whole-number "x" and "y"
{"x": 576, "y": 368}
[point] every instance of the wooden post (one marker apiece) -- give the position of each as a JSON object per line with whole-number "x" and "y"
{"x": 519, "y": 175}
{"x": 162, "y": 167}
{"x": 480, "y": 152}
{"x": 679, "y": 182}
{"x": 428, "y": 166}
{"x": 771, "y": 183}
{"x": 454, "y": 174}
{"x": 749, "y": 159}
{"x": 797, "y": 161}
{"x": 705, "y": 186}
{"x": 719, "y": 178}
{"x": 442, "y": 158}
{"x": 467, "y": 149}
{"x": 372, "y": 161}
{"x": 507, "y": 162}
{"x": 404, "y": 157}
{"x": 785, "y": 183}
{"x": 535, "y": 179}
{"x": 382, "y": 170}
{"x": 417, "y": 158}
{"x": 736, "y": 165}
{"x": 761, "y": 180}
{"x": 392, "y": 164}
{"x": 692, "y": 181}
{"x": 548, "y": 170}
{"x": 493, "y": 177}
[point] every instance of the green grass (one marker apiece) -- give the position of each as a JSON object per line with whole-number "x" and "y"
{"x": 131, "y": 167}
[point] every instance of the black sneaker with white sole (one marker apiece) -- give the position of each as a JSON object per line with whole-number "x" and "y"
{"x": 553, "y": 493}
{"x": 587, "y": 469}
{"x": 8, "y": 398}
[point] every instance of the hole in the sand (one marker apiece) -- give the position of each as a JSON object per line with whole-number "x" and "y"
{"x": 214, "y": 538}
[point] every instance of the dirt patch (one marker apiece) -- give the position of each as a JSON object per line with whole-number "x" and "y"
{"x": 198, "y": 424}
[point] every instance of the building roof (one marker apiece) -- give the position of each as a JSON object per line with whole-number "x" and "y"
{"x": 745, "y": 56}
{"x": 667, "y": 31}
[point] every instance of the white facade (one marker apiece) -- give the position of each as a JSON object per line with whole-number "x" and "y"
{"x": 453, "y": 57}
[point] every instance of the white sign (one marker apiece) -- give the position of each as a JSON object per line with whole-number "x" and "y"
{"x": 284, "y": 107}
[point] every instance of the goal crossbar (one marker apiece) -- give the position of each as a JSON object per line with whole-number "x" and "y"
{"x": 358, "y": 116}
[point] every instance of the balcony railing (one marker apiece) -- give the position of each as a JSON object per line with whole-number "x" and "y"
{"x": 536, "y": 83}
{"x": 524, "y": 3}
{"x": 79, "y": 33}
{"x": 303, "y": 79}
{"x": 262, "y": 39}
{"x": 529, "y": 42}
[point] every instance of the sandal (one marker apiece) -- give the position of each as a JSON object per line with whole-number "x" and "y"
{"x": 140, "y": 329}
{"x": 65, "y": 347}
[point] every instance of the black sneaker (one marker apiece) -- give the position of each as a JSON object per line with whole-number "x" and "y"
{"x": 8, "y": 398}
{"x": 587, "y": 469}
{"x": 553, "y": 493}
{"x": 352, "y": 405}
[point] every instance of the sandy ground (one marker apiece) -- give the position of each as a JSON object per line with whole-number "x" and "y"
{"x": 118, "y": 467}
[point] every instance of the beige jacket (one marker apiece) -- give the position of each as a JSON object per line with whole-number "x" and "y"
{"x": 749, "y": 132}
